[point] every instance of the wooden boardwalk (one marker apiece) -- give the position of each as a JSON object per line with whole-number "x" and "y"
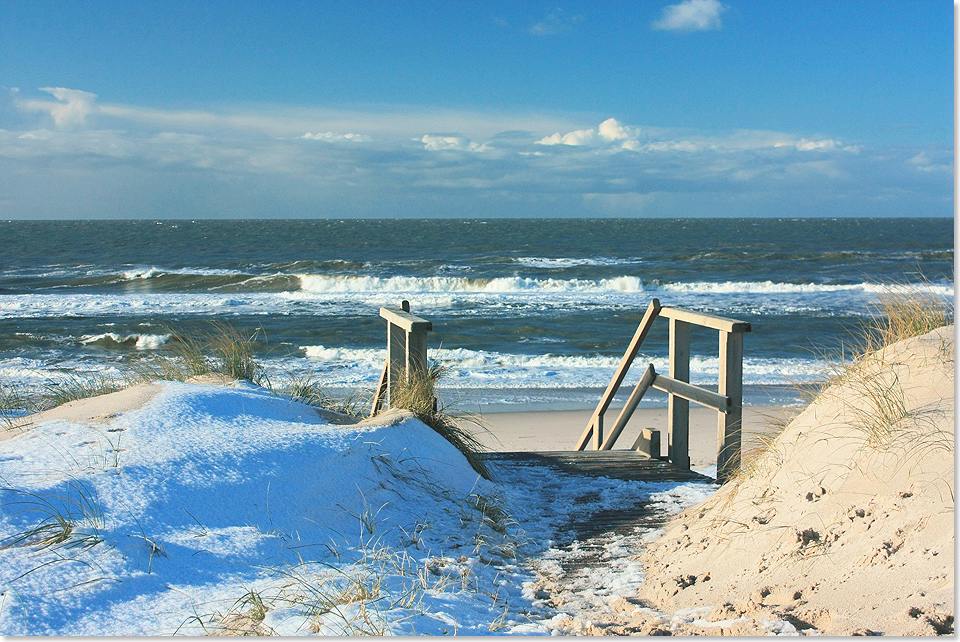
{"x": 628, "y": 465}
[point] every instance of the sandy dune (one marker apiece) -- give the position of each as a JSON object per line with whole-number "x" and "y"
{"x": 845, "y": 525}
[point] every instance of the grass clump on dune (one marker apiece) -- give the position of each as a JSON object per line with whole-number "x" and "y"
{"x": 903, "y": 311}
{"x": 222, "y": 350}
{"x": 416, "y": 392}
{"x": 306, "y": 389}
{"x": 878, "y": 402}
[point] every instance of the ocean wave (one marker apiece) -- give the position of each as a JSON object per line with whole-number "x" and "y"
{"x": 626, "y": 284}
{"x": 772, "y": 287}
{"x": 486, "y": 369}
{"x": 555, "y": 263}
{"x": 137, "y": 341}
{"x": 143, "y": 273}
{"x": 320, "y": 284}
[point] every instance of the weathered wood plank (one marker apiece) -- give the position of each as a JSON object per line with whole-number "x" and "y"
{"x": 642, "y": 330}
{"x": 731, "y": 385}
{"x": 678, "y": 408}
{"x": 639, "y": 390}
{"x": 648, "y": 443}
{"x": 616, "y": 464}
{"x": 707, "y": 320}
{"x": 381, "y": 390}
{"x": 405, "y": 320}
{"x": 690, "y": 392}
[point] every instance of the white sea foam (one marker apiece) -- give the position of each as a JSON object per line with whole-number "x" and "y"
{"x": 139, "y": 341}
{"x": 154, "y": 272}
{"x": 487, "y": 369}
{"x": 772, "y": 287}
{"x": 361, "y": 284}
{"x": 554, "y": 263}
{"x": 321, "y": 284}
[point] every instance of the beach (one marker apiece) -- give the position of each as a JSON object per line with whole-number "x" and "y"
{"x": 560, "y": 430}
{"x": 143, "y": 498}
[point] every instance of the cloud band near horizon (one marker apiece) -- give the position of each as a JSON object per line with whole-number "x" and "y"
{"x": 73, "y": 156}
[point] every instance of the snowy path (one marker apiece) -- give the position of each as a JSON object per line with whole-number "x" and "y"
{"x": 601, "y": 516}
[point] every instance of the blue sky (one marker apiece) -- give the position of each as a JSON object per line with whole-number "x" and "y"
{"x": 340, "y": 109}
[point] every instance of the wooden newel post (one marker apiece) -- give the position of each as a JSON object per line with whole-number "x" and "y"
{"x": 729, "y": 424}
{"x": 678, "y": 408}
{"x": 406, "y": 350}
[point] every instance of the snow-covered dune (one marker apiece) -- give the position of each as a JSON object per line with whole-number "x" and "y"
{"x": 214, "y": 507}
{"x": 192, "y": 508}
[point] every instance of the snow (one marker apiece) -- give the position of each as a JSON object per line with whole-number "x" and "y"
{"x": 215, "y": 507}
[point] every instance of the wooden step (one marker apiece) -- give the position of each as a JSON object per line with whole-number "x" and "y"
{"x": 628, "y": 465}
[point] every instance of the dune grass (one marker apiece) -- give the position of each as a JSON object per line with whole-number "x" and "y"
{"x": 221, "y": 349}
{"x": 77, "y": 386}
{"x": 309, "y": 390}
{"x": 416, "y": 392}
{"x": 901, "y": 311}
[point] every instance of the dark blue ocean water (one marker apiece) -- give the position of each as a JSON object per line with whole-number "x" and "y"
{"x": 524, "y": 311}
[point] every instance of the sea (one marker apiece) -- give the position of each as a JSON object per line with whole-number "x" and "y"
{"x": 526, "y": 313}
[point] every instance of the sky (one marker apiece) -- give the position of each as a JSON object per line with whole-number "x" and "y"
{"x": 647, "y": 108}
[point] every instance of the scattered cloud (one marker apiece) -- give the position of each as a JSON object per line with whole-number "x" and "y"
{"x": 923, "y": 163}
{"x": 334, "y": 137}
{"x": 574, "y": 138}
{"x": 452, "y": 143}
{"x": 113, "y": 159}
{"x": 691, "y": 15}
{"x": 555, "y": 23}
{"x": 72, "y": 108}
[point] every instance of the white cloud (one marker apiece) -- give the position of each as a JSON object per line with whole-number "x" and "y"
{"x": 609, "y": 131}
{"x": 826, "y": 144}
{"x": 690, "y": 15}
{"x": 72, "y": 109}
{"x": 334, "y": 137}
{"x": 575, "y": 138}
{"x": 142, "y": 157}
{"x": 452, "y": 143}
{"x": 556, "y": 22}
{"x": 924, "y": 163}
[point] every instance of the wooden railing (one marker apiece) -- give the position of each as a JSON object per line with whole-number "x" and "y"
{"x": 727, "y": 401}
{"x": 406, "y": 351}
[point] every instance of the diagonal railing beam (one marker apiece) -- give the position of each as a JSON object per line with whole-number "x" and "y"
{"x": 594, "y": 427}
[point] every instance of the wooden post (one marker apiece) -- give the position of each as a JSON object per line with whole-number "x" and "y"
{"x": 678, "y": 409}
{"x": 396, "y": 356}
{"x": 648, "y": 443}
{"x": 729, "y": 424}
{"x": 406, "y": 348}
{"x": 380, "y": 393}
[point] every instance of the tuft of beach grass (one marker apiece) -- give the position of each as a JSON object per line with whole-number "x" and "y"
{"x": 416, "y": 392}
{"x": 221, "y": 349}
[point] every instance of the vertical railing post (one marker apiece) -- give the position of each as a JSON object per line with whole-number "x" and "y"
{"x": 396, "y": 356}
{"x": 678, "y": 410}
{"x": 729, "y": 424}
{"x": 406, "y": 351}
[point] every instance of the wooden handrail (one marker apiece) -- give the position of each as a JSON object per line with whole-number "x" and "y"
{"x": 406, "y": 350}
{"x": 690, "y": 392}
{"x": 403, "y": 319}
{"x": 707, "y": 320}
{"x": 727, "y": 401}
{"x": 595, "y": 425}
